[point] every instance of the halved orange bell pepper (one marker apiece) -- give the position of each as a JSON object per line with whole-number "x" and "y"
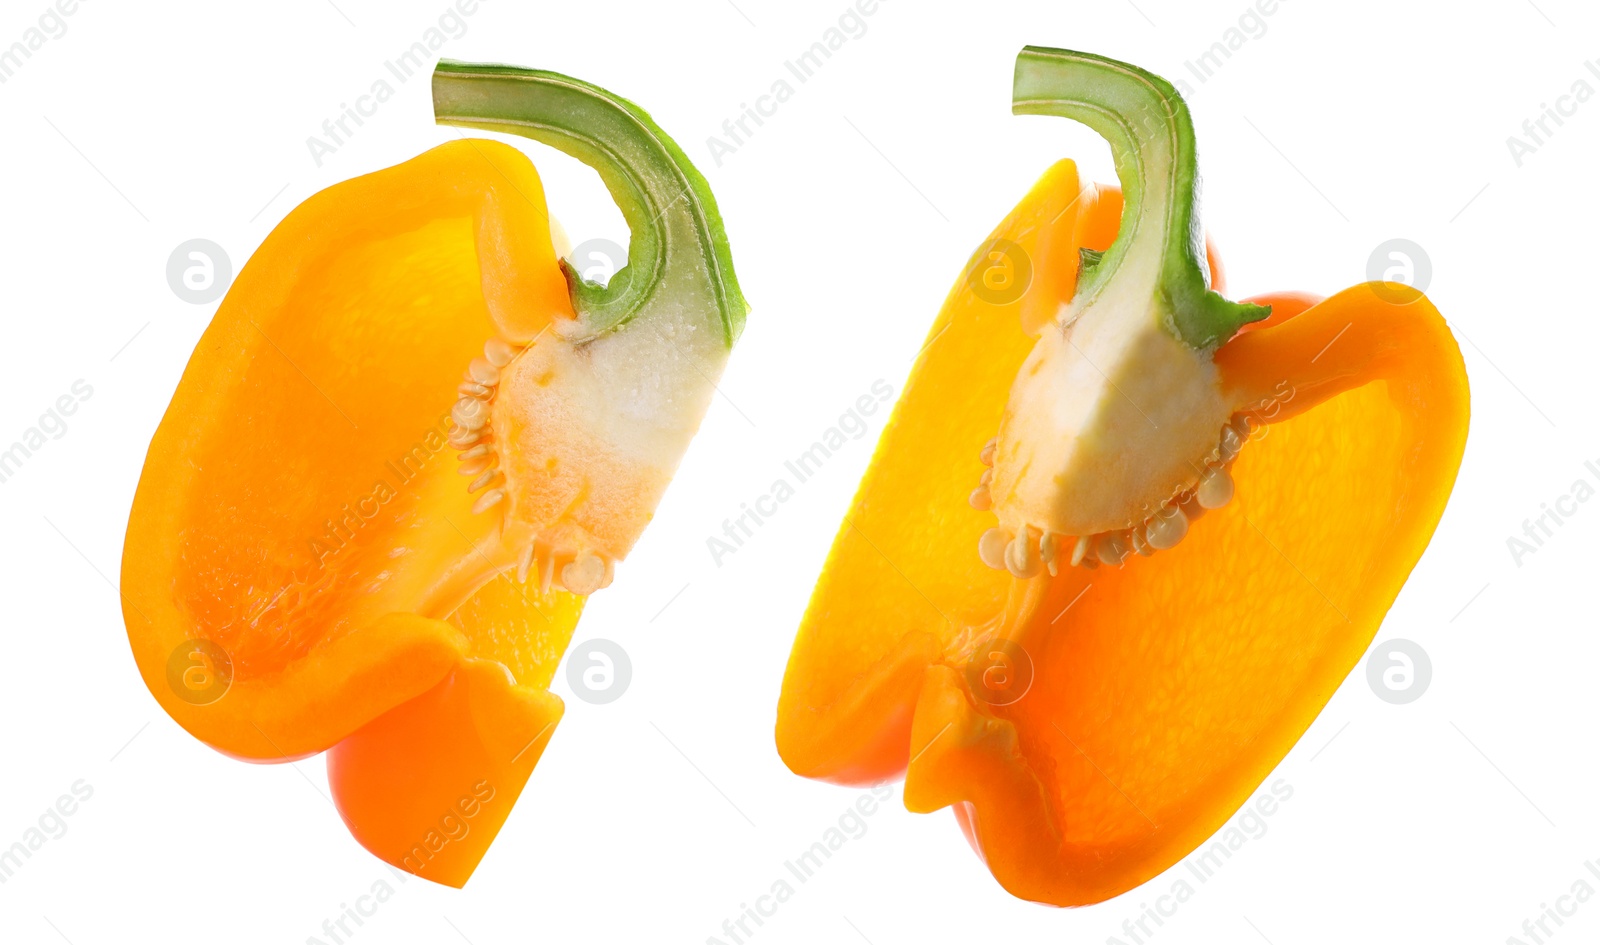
{"x": 1197, "y": 515}
{"x": 410, "y": 443}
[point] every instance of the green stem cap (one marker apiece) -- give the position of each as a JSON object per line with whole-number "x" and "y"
{"x": 1152, "y": 144}
{"x": 678, "y": 252}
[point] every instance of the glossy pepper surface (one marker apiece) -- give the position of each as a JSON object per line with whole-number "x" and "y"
{"x": 1095, "y": 691}
{"x": 409, "y": 445}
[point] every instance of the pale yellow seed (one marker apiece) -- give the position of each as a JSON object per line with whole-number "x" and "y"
{"x": 489, "y": 475}
{"x": 992, "y": 548}
{"x": 475, "y": 465}
{"x": 483, "y": 372}
{"x": 979, "y": 499}
{"x": 1166, "y": 528}
{"x": 1021, "y": 559}
{"x": 1049, "y": 552}
{"x": 524, "y": 563}
{"x": 488, "y": 500}
{"x": 1216, "y": 488}
{"x": 474, "y": 389}
{"x": 986, "y": 457}
{"x": 470, "y": 414}
{"x": 1140, "y": 543}
{"x": 1231, "y": 444}
{"x": 479, "y": 450}
{"x": 987, "y": 478}
{"x": 1080, "y": 551}
{"x": 498, "y": 353}
{"x": 1111, "y": 548}
{"x": 584, "y": 574}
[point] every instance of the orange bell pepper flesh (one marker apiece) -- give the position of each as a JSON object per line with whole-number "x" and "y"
{"x": 1162, "y": 692}
{"x": 311, "y": 420}
{"x": 427, "y": 786}
{"x": 306, "y": 568}
{"x": 825, "y": 720}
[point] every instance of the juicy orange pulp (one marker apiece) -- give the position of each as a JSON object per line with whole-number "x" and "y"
{"x": 1162, "y": 692}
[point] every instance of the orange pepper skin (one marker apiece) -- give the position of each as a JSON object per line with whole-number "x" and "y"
{"x": 972, "y": 353}
{"x": 292, "y": 408}
{"x": 409, "y": 445}
{"x": 427, "y": 786}
{"x": 301, "y": 510}
{"x": 1162, "y": 692}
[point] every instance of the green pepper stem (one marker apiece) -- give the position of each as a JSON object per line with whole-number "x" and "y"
{"x": 1151, "y": 135}
{"x": 675, "y": 228}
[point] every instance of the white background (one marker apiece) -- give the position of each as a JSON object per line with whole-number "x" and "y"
{"x": 1451, "y": 819}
